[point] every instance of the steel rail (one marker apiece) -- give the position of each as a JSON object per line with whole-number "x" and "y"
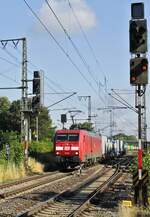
{"x": 117, "y": 174}
{"x": 27, "y": 179}
{"x": 52, "y": 204}
{"x": 47, "y": 180}
{"x": 37, "y": 208}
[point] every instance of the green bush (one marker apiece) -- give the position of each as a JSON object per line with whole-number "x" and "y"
{"x": 16, "y": 150}
{"x": 40, "y": 147}
{"x": 17, "y": 153}
{"x": 145, "y": 163}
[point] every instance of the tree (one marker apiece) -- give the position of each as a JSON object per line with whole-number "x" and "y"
{"x": 4, "y": 113}
{"x": 9, "y": 115}
{"x": 10, "y": 119}
{"x": 15, "y": 116}
{"x": 85, "y": 126}
{"x": 127, "y": 138}
{"x": 4, "y": 104}
{"x": 46, "y": 131}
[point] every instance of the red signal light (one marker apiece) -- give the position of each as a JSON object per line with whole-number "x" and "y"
{"x": 144, "y": 68}
{"x": 138, "y": 71}
{"x": 133, "y": 78}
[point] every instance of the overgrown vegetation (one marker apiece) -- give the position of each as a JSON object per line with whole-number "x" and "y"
{"x": 146, "y": 163}
{"x": 11, "y": 149}
{"x": 86, "y": 126}
{"x": 10, "y": 120}
{"x": 40, "y": 147}
{"x": 126, "y": 138}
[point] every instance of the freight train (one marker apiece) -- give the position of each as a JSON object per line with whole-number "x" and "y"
{"x": 80, "y": 147}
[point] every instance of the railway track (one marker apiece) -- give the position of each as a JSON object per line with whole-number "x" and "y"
{"x": 28, "y": 202}
{"x": 79, "y": 211}
{"x": 15, "y": 188}
{"x": 73, "y": 201}
{"x": 76, "y": 200}
{"x": 14, "y": 204}
{"x": 27, "y": 179}
{"x": 107, "y": 200}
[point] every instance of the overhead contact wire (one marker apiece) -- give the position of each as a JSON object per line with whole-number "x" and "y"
{"x": 60, "y": 46}
{"x": 70, "y": 39}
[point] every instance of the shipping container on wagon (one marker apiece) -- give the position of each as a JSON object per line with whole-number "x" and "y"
{"x": 121, "y": 146}
{"x": 117, "y": 151}
{"x": 104, "y": 145}
{"x": 109, "y": 146}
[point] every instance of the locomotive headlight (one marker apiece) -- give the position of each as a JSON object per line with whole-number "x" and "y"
{"x": 57, "y": 153}
{"x": 76, "y": 153}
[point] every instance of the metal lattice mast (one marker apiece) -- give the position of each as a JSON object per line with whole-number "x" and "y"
{"x": 143, "y": 122}
{"x": 140, "y": 100}
{"x": 24, "y": 87}
{"x": 24, "y": 102}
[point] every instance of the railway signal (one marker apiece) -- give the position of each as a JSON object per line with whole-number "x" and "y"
{"x": 36, "y": 103}
{"x": 139, "y": 79}
{"x": 63, "y": 118}
{"x": 37, "y": 100}
{"x": 139, "y": 71}
{"x": 138, "y": 36}
{"x": 36, "y": 82}
{"x": 137, "y": 10}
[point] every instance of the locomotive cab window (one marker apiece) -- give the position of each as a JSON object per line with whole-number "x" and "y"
{"x": 62, "y": 137}
{"x": 67, "y": 137}
{"x": 73, "y": 137}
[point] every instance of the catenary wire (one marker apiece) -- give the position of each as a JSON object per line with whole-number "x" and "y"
{"x": 72, "y": 42}
{"x": 85, "y": 37}
{"x": 61, "y": 48}
{"x": 17, "y": 65}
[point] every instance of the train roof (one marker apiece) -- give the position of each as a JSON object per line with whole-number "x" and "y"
{"x": 77, "y": 131}
{"x": 70, "y": 131}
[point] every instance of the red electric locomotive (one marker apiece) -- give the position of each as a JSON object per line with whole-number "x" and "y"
{"x": 76, "y": 147}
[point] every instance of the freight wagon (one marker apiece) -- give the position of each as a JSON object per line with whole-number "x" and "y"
{"x": 81, "y": 147}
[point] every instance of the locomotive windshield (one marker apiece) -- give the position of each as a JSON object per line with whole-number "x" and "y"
{"x": 73, "y": 137}
{"x": 67, "y": 137}
{"x": 61, "y": 137}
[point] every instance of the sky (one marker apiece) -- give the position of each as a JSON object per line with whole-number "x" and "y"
{"x": 90, "y": 59}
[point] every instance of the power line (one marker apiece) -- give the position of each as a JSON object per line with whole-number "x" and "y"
{"x": 60, "y": 47}
{"x": 9, "y": 53}
{"x": 129, "y": 105}
{"x": 3, "y": 74}
{"x": 85, "y": 36}
{"x": 72, "y": 42}
{"x": 17, "y": 65}
{"x": 4, "y": 59}
{"x": 12, "y": 63}
{"x": 123, "y": 103}
{"x": 62, "y": 100}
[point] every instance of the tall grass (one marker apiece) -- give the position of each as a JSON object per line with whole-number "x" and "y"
{"x": 10, "y": 171}
{"x": 35, "y": 166}
{"x": 12, "y": 156}
{"x": 133, "y": 211}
